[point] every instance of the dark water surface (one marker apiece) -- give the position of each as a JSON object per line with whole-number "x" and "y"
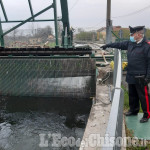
{"x": 25, "y": 122}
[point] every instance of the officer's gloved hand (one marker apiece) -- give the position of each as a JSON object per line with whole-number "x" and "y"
{"x": 104, "y": 47}
{"x": 147, "y": 80}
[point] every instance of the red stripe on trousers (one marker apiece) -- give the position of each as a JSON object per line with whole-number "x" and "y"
{"x": 147, "y": 101}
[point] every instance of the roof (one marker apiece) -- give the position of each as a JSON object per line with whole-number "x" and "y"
{"x": 115, "y": 28}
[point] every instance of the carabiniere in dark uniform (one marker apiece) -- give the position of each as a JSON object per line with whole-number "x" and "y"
{"x": 138, "y": 70}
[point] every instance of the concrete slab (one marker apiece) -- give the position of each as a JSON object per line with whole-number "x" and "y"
{"x": 140, "y": 130}
{"x": 98, "y": 119}
{"x": 100, "y": 111}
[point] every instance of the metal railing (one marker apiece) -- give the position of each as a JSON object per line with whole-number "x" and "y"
{"x": 114, "y": 127}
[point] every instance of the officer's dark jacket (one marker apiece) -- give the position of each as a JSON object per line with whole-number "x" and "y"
{"x": 138, "y": 56}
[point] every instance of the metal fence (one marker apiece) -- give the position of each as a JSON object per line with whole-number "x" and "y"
{"x": 114, "y": 128}
{"x": 47, "y": 77}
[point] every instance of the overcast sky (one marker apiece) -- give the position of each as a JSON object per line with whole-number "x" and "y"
{"x": 88, "y": 14}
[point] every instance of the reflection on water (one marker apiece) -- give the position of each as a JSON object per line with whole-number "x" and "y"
{"x": 24, "y": 130}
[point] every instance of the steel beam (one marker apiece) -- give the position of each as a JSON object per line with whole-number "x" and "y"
{"x": 31, "y": 10}
{"x": 56, "y": 23}
{"x": 1, "y": 35}
{"x": 15, "y": 21}
{"x": 27, "y": 20}
{"x": 44, "y": 51}
{"x": 115, "y": 35}
{"x": 3, "y": 9}
{"x": 65, "y": 14}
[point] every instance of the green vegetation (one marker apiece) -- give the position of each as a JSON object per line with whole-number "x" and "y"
{"x": 126, "y": 33}
{"x": 148, "y": 33}
{"x": 126, "y": 98}
{"x": 139, "y": 148}
{"x": 53, "y": 44}
{"x": 86, "y": 36}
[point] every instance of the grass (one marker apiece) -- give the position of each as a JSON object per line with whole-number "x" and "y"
{"x": 52, "y": 44}
{"x": 139, "y": 148}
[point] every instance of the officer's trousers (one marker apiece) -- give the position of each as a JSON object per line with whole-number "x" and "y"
{"x": 139, "y": 93}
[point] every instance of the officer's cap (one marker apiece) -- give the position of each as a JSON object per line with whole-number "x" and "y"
{"x": 135, "y": 29}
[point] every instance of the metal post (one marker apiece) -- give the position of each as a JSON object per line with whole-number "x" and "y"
{"x": 56, "y": 24}
{"x": 114, "y": 127}
{"x": 115, "y": 66}
{"x": 67, "y": 34}
{"x": 108, "y": 23}
{"x": 1, "y": 35}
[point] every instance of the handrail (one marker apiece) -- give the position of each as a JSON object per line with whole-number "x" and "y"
{"x": 114, "y": 127}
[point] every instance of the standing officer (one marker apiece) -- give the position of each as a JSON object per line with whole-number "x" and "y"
{"x": 138, "y": 70}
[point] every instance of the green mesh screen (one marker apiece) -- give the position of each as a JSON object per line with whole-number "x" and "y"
{"x": 47, "y": 77}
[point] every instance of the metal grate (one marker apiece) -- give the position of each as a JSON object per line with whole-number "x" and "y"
{"x": 47, "y": 77}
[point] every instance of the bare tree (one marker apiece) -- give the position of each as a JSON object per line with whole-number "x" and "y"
{"x": 32, "y": 29}
{"x": 60, "y": 28}
{"x": 14, "y": 34}
{"x": 44, "y": 33}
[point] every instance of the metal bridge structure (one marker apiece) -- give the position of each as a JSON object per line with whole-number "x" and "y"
{"x": 63, "y": 71}
{"x": 67, "y": 34}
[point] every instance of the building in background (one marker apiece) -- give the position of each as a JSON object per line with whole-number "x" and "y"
{"x": 117, "y": 30}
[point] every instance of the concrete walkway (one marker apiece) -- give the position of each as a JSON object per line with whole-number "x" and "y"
{"x": 98, "y": 119}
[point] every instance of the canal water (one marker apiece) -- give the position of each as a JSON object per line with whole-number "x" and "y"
{"x": 42, "y": 124}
